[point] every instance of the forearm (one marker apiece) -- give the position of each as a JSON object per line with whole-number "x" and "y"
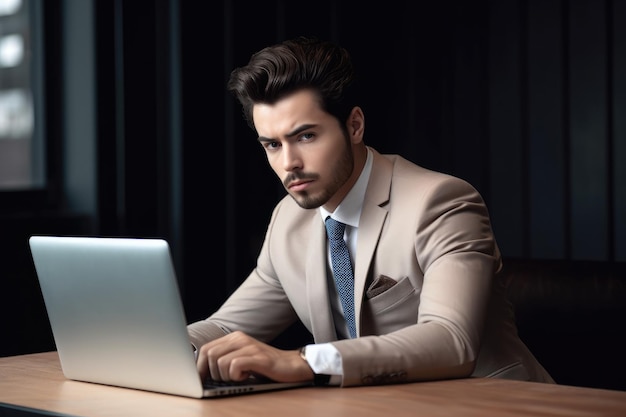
{"x": 416, "y": 353}
{"x": 204, "y": 331}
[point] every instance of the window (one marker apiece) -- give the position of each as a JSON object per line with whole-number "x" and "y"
{"x": 22, "y": 161}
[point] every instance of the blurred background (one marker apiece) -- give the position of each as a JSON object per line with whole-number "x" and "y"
{"x": 115, "y": 121}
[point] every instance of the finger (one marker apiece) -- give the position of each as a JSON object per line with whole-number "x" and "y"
{"x": 236, "y": 364}
{"x": 208, "y": 357}
{"x": 218, "y": 363}
{"x": 202, "y": 364}
{"x": 217, "y": 356}
{"x": 245, "y": 365}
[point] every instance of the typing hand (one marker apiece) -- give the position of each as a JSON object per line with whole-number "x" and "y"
{"x": 237, "y": 356}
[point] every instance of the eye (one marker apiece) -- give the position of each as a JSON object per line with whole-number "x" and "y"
{"x": 307, "y": 137}
{"x": 271, "y": 145}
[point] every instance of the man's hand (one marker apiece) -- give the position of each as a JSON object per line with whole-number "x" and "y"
{"x": 236, "y": 356}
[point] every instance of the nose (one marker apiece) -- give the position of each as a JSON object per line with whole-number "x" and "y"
{"x": 291, "y": 158}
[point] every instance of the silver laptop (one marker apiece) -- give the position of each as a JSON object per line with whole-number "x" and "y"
{"x": 117, "y": 317}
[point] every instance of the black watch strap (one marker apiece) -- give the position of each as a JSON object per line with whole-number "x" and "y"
{"x": 320, "y": 380}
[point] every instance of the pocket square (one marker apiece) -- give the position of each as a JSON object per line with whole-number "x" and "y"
{"x": 380, "y": 285}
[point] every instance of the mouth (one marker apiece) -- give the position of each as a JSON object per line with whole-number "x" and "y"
{"x": 298, "y": 185}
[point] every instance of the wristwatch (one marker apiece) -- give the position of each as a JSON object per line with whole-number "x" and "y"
{"x": 318, "y": 379}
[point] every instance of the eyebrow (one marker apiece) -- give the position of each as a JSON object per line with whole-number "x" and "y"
{"x": 294, "y": 132}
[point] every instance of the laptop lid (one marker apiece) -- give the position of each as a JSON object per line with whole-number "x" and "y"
{"x": 117, "y": 317}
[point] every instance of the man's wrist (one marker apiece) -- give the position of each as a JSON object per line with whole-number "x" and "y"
{"x": 318, "y": 379}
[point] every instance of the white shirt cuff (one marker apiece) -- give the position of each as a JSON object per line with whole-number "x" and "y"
{"x": 324, "y": 358}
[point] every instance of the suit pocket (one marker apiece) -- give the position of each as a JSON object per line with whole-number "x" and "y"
{"x": 379, "y": 286}
{"x": 392, "y": 309}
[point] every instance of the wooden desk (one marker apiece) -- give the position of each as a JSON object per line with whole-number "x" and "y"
{"x": 35, "y": 382}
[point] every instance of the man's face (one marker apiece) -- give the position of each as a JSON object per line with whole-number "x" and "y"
{"x": 306, "y": 148}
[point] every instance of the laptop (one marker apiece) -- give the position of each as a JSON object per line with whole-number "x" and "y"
{"x": 117, "y": 317}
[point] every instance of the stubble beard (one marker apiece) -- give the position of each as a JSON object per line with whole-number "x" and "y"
{"x": 342, "y": 171}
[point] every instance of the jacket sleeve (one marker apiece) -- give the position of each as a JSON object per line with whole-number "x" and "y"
{"x": 457, "y": 255}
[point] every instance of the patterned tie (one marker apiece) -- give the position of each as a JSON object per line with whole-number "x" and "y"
{"x": 342, "y": 270}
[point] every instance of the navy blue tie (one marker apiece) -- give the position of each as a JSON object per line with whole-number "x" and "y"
{"x": 342, "y": 270}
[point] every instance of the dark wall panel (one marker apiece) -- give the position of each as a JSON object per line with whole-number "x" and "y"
{"x": 556, "y": 129}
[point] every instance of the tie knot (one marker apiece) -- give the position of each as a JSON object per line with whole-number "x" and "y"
{"x": 334, "y": 229}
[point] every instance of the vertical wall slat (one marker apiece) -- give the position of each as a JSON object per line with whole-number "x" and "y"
{"x": 588, "y": 130}
{"x": 206, "y": 165}
{"x": 469, "y": 139}
{"x": 618, "y": 54}
{"x": 505, "y": 128}
{"x": 545, "y": 135}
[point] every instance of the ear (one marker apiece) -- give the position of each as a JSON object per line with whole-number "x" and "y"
{"x": 356, "y": 125}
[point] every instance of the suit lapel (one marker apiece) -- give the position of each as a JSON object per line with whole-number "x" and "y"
{"x": 322, "y": 324}
{"x": 371, "y": 223}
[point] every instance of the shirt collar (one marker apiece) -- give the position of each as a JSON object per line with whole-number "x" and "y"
{"x": 349, "y": 210}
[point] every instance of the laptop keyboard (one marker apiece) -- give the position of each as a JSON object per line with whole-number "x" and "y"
{"x": 210, "y": 383}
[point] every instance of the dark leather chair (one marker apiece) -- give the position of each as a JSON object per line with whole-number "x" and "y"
{"x": 572, "y": 315}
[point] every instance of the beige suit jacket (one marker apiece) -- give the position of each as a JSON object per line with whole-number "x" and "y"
{"x": 446, "y": 315}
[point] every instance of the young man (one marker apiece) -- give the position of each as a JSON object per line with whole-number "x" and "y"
{"x": 427, "y": 301}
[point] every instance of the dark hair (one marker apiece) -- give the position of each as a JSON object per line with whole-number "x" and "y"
{"x": 296, "y": 64}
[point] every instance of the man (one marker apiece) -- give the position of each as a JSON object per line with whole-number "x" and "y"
{"x": 427, "y": 301}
